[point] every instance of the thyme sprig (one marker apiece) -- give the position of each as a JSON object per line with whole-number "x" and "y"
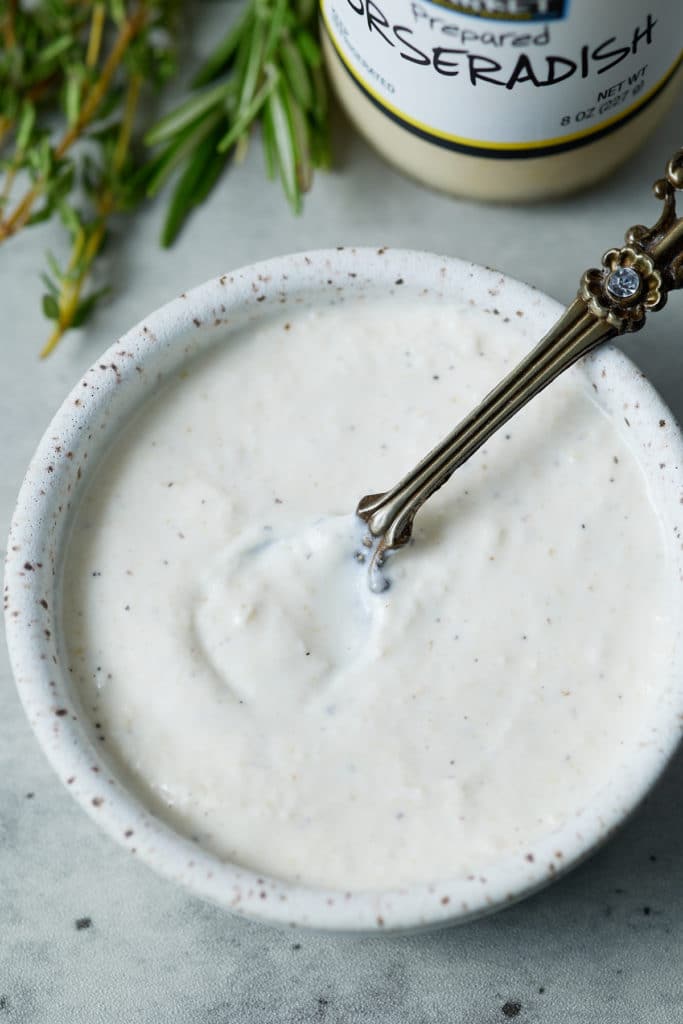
{"x": 72, "y": 76}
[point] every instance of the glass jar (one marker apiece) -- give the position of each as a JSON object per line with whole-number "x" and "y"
{"x": 504, "y": 99}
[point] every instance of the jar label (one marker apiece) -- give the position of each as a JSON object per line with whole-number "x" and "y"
{"x": 508, "y": 78}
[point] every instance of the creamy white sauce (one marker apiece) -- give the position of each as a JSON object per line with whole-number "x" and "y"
{"x": 280, "y": 619}
{"x": 265, "y": 702}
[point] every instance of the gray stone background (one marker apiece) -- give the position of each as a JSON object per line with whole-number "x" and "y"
{"x": 89, "y": 935}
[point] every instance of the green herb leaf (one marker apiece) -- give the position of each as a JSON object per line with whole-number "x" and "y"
{"x": 246, "y": 116}
{"x": 222, "y": 58}
{"x": 53, "y": 50}
{"x": 49, "y": 284}
{"x": 184, "y": 145}
{"x": 187, "y": 113}
{"x": 253, "y": 65}
{"x": 281, "y": 128}
{"x": 309, "y": 48}
{"x": 277, "y": 21}
{"x": 297, "y": 73}
{"x": 50, "y": 306}
{"x": 86, "y": 306}
{"x": 26, "y": 126}
{"x": 185, "y": 194}
{"x": 72, "y": 95}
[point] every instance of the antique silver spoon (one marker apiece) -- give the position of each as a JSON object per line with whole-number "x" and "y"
{"x": 633, "y": 281}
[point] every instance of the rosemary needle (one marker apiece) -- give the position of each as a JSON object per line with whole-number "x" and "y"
{"x": 266, "y": 71}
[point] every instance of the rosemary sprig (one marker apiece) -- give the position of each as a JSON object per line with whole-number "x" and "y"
{"x": 268, "y": 71}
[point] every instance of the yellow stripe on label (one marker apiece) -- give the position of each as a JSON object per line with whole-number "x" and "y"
{"x": 436, "y": 133}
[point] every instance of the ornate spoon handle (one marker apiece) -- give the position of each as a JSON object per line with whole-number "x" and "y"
{"x": 633, "y": 281}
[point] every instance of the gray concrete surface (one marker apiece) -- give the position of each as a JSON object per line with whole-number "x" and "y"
{"x": 87, "y": 934}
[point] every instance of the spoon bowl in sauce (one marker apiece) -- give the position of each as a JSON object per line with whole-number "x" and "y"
{"x": 413, "y": 772}
{"x": 292, "y": 607}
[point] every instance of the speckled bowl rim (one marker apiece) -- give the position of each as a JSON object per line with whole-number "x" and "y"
{"x": 58, "y": 472}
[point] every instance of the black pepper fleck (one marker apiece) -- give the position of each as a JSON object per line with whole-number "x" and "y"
{"x": 83, "y": 923}
{"x": 512, "y": 1008}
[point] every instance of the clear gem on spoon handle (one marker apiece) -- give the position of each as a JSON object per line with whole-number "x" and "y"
{"x": 635, "y": 279}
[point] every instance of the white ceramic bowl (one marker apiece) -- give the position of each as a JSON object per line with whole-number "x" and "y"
{"x": 85, "y": 425}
